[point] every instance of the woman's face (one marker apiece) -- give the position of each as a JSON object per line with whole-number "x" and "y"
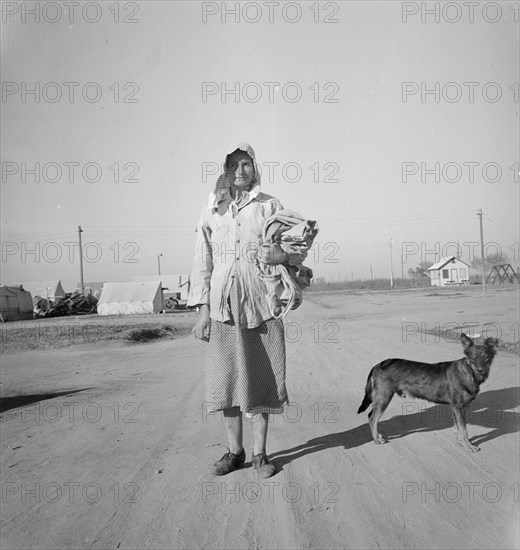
{"x": 240, "y": 169}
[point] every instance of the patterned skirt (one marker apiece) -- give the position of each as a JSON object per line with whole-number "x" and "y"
{"x": 245, "y": 368}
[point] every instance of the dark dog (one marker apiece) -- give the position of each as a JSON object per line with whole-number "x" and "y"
{"x": 454, "y": 383}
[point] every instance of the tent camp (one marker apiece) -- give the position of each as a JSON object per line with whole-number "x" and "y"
{"x": 129, "y": 298}
{"x": 45, "y": 289}
{"x": 15, "y": 303}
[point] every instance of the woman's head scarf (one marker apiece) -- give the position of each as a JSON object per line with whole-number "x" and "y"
{"x": 222, "y": 187}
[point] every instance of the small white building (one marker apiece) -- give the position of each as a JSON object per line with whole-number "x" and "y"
{"x": 449, "y": 270}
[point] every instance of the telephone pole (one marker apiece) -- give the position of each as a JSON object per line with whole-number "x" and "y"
{"x": 391, "y": 267}
{"x": 80, "y": 231}
{"x": 482, "y": 267}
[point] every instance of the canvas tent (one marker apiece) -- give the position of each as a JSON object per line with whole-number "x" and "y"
{"x": 46, "y": 289}
{"x": 172, "y": 284}
{"x": 15, "y": 303}
{"x": 130, "y": 298}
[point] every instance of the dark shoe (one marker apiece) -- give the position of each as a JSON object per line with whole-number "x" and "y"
{"x": 228, "y": 463}
{"x": 262, "y": 466}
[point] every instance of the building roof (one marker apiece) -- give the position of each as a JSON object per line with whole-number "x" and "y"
{"x": 444, "y": 261}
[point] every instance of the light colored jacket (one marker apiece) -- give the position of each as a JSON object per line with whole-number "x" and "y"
{"x": 228, "y": 237}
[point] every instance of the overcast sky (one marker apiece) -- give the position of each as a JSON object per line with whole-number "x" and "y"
{"x": 336, "y": 111}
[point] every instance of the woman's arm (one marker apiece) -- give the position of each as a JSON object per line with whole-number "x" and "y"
{"x": 201, "y": 278}
{"x": 202, "y": 266}
{"x": 202, "y": 326}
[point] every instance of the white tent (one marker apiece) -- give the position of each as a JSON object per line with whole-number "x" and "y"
{"x": 130, "y": 298}
{"x": 15, "y": 303}
{"x": 172, "y": 283}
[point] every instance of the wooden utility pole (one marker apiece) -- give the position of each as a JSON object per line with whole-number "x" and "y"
{"x": 482, "y": 267}
{"x": 391, "y": 267}
{"x": 80, "y": 231}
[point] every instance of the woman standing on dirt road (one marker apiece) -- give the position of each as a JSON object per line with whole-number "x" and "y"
{"x": 245, "y": 370}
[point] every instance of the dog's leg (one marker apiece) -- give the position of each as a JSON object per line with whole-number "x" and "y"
{"x": 456, "y": 428}
{"x": 462, "y": 438}
{"x": 455, "y": 424}
{"x": 380, "y": 403}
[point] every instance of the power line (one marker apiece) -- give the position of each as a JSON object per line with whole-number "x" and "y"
{"x": 482, "y": 267}
{"x": 383, "y": 223}
{"x": 497, "y": 225}
{"x": 176, "y": 230}
{"x": 40, "y": 234}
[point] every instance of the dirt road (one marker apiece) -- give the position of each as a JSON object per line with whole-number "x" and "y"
{"x": 117, "y": 455}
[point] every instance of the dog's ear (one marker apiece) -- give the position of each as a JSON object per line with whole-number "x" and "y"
{"x": 492, "y": 343}
{"x": 467, "y": 342}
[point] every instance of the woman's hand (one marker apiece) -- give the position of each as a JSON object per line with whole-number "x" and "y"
{"x": 271, "y": 254}
{"x": 201, "y": 328}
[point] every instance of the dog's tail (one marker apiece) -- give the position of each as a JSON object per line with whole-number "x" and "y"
{"x": 367, "y": 400}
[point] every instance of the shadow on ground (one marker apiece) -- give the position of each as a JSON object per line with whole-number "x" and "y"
{"x": 8, "y": 403}
{"x": 490, "y": 410}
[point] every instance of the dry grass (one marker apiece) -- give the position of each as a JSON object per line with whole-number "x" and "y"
{"x": 149, "y": 334}
{"x": 42, "y": 334}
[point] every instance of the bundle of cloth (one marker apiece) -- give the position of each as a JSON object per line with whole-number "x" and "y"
{"x": 285, "y": 282}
